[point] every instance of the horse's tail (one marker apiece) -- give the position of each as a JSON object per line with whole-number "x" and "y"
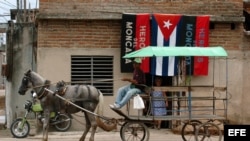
{"x": 100, "y": 104}
{"x": 105, "y": 126}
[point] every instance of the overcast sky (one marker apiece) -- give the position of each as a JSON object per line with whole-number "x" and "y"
{"x": 6, "y": 5}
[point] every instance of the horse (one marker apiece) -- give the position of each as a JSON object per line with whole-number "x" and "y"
{"x": 86, "y": 96}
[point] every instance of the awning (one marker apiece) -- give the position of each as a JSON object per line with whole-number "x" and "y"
{"x": 158, "y": 51}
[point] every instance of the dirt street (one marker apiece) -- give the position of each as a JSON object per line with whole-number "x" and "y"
{"x": 159, "y": 135}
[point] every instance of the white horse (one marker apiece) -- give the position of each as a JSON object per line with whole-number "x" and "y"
{"x": 86, "y": 96}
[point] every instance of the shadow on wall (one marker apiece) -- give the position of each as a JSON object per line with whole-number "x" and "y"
{"x": 2, "y": 108}
{"x": 2, "y": 100}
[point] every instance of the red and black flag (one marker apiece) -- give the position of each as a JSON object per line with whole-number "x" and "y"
{"x": 135, "y": 34}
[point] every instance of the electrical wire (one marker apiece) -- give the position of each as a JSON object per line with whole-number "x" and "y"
{"x": 10, "y": 3}
{"x": 7, "y": 4}
{"x": 4, "y": 8}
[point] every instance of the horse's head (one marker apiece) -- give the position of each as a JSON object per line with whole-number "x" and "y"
{"x": 26, "y": 83}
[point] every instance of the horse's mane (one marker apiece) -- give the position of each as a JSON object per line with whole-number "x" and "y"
{"x": 32, "y": 73}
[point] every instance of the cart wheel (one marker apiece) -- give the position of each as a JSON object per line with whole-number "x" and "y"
{"x": 188, "y": 130}
{"x": 122, "y": 128}
{"x": 208, "y": 132}
{"x": 134, "y": 131}
{"x": 20, "y": 128}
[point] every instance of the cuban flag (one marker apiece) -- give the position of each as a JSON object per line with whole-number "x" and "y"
{"x": 173, "y": 30}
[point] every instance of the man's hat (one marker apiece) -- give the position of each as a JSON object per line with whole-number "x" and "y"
{"x": 137, "y": 60}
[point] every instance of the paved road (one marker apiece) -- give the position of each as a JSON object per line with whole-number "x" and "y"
{"x": 155, "y": 135}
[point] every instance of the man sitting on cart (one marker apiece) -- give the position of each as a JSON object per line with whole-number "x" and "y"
{"x": 136, "y": 87}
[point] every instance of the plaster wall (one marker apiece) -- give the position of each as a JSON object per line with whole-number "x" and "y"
{"x": 239, "y": 111}
{"x": 54, "y": 64}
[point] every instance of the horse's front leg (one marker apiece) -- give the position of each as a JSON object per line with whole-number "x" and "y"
{"x": 46, "y": 125}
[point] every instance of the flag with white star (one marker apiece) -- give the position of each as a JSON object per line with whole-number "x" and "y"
{"x": 174, "y": 30}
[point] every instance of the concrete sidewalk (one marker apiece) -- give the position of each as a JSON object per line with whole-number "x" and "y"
{"x": 155, "y": 135}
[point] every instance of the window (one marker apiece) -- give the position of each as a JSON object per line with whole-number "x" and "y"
{"x": 93, "y": 70}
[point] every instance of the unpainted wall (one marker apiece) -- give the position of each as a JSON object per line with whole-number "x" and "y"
{"x": 20, "y": 58}
{"x": 99, "y": 9}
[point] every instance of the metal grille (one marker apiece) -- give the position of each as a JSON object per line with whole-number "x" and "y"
{"x": 93, "y": 70}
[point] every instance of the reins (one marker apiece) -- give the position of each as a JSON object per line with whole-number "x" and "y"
{"x": 103, "y": 117}
{"x": 146, "y": 88}
{"x": 46, "y": 90}
{"x": 78, "y": 82}
{"x": 42, "y": 93}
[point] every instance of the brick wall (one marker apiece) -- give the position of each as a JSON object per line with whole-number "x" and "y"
{"x": 209, "y": 7}
{"x": 84, "y": 34}
{"x": 223, "y": 35}
{"x": 92, "y": 33}
{"x": 106, "y": 34}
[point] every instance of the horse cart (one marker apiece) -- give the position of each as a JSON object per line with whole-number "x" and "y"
{"x": 199, "y": 110}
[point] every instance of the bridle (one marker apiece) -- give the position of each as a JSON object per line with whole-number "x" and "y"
{"x": 25, "y": 82}
{"x": 42, "y": 92}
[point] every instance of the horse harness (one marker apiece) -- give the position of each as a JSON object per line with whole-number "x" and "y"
{"x": 62, "y": 92}
{"x": 43, "y": 93}
{"x": 62, "y": 88}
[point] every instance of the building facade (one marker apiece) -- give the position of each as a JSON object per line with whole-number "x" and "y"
{"x": 89, "y": 31}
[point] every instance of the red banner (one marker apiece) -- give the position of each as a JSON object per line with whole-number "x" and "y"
{"x": 143, "y": 37}
{"x": 202, "y": 40}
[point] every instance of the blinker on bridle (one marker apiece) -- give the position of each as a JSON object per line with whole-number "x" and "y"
{"x": 25, "y": 81}
{"x": 42, "y": 92}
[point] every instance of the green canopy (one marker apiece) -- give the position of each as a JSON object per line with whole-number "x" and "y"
{"x": 177, "y": 51}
